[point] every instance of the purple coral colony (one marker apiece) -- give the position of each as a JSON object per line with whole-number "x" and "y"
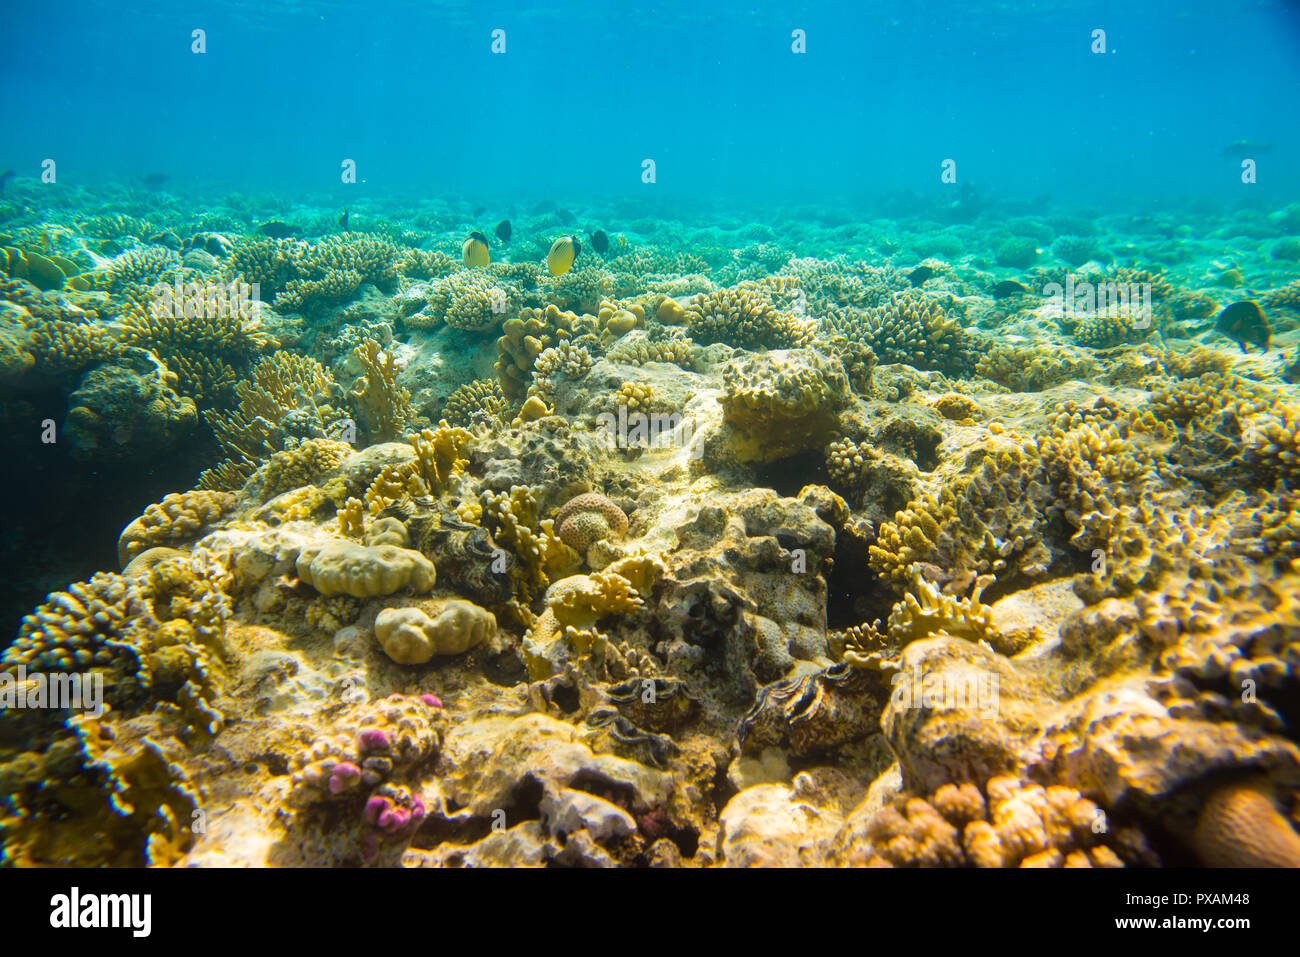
{"x": 938, "y": 528}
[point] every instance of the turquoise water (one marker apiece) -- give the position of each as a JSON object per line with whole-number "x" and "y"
{"x": 712, "y": 92}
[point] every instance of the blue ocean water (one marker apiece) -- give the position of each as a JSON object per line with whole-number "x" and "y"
{"x": 712, "y": 92}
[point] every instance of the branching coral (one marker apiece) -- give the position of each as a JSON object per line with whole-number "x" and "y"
{"x": 480, "y": 402}
{"x": 287, "y": 397}
{"x": 744, "y": 316}
{"x": 469, "y": 300}
{"x": 118, "y": 803}
{"x": 523, "y": 339}
{"x": 912, "y": 329}
{"x": 382, "y": 405}
{"x": 179, "y": 517}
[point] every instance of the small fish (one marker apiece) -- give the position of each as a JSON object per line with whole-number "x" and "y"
{"x": 154, "y": 180}
{"x": 563, "y": 252}
{"x": 479, "y": 211}
{"x": 5, "y": 177}
{"x": 277, "y": 230}
{"x": 622, "y": 240}
{"x": 503, "y": 230}
{"x": 566, "y": 218}
{"x": 1244, "y": 322}
{"x": 1009, "y": 287}
{"x": 1240, "y": 149}
{"x": 475, "y": 250}
{"x": 920, "y": 274}
{"x": 343, "y": 220}
{"x": 599, "y": 241}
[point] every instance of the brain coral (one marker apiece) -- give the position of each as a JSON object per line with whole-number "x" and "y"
{"x": 589, "y": 518}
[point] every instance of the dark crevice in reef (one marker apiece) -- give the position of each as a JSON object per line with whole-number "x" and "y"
{"x": 854, "y": 594}
{"x": 64, "y": 515}
{"x": 788, "y": 475}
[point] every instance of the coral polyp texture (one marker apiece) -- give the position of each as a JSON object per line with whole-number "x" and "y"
{"x": 839, "y": 544}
